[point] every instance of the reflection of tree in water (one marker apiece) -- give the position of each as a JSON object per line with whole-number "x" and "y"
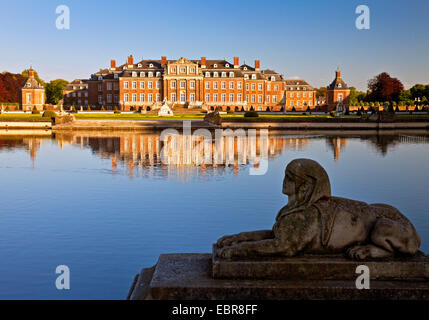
{"x": 383, "y": 142}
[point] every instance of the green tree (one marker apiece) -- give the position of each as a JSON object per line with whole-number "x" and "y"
{"x": 54, "y": 90}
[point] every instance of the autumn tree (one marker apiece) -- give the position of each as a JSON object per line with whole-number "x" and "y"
{"x": 384, "y": 88}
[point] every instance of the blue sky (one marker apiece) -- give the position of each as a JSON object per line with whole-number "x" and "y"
{"x": 300, "y": 39}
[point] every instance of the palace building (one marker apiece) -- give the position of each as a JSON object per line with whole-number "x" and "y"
{"x": 32, "y": 94}
{"x": 209, "y": 84}
{"x": 338, "y": 93}
{"x": 299, "y": 95}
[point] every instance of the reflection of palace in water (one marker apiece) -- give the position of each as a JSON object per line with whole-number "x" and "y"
{"x": 136, "y": 150}
{"x": 183, "y": 154}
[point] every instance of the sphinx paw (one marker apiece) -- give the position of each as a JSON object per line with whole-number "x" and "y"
{"x": 359, "y": 252}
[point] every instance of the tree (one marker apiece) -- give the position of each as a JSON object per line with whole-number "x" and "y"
{"x": 36, "y": 76}
{"x": 384, "y": 88}
{"x": 54, "y": 90}
{"x": 321, "y": 92}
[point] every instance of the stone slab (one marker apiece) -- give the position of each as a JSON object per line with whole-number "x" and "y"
{"x": 189, "y": 277}
{"x": 320, "y": 267}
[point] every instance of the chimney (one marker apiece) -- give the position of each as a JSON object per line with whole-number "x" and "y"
{"x": 338, "y": 74}
{"x": 130, "y": 61}
{"x": 257, "y": 65}
{"x": 203, "y": 62}
{"x": 236, "y": 62}
{"x": 163, "y": 61}
{"x": 112, "y": 64}
{"x": 31, "y": 73}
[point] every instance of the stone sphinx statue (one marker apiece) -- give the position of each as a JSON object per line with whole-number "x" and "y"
{"x": 315, "y": 222}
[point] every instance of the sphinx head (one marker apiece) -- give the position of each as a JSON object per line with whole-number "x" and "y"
{"x": 305, "y": 182}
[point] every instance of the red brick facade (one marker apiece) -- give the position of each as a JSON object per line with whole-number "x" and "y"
{"x": 32, "y": 94}
{"x": 338, "y": 94}
{"x": 209, "y": 84}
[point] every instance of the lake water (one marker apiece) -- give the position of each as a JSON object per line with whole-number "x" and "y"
{"x": 107, "y": 204}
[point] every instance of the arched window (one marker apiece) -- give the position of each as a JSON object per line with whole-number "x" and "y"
{"x": 151, "y": 65}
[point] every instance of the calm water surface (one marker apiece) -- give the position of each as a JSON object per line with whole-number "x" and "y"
{"x": 104, "y": 205}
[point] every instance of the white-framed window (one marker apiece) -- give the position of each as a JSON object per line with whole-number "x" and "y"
{"x": 231, "y": 97}
{"x": 339, "y": 85}
{"x": 100, "y": 99}
{"x": 231, "y": 74}
{"x": 158, "y": 84}
{"x": 231, "y": 84}
{"x": 207, "y": 74}
{"x": 273, "y": 78}
{"x": 223, "y": 74}
{"x": 183, "y": 70}
{"x": 150, "y": 85}
{"x": 74, "y": 93}
{"x": 173, "y": 97}
{"x": 253, "y": 98}
{"x": 141, "y": 84}
{"x": 158, "y": 97}
{"x": 227, "y": 65}
{"x": 28, "y": 97}
{"x": 182, "y": 98}
{"x": 173, "y": 70}
{"x": 260, "y": 98}
{"x": 253, "y": 87}
{"x": 192, "y": 97}
{"x": 239, "y": 85}
{"x": 115, "y": 76}
{"x": 150, "y": 74}
{"x": 340, "y": 97}
{"x": 192, "y": 84}
{"x": 115, "y": 86}
{"x": 247, "y": 87}
{"x": 310, "y": 95}
{"x": 207, "y": 85}
{"x": 298, "y": 95}
{"x": 100, "y": 87}
{"x": 239, "y": 97}
{"x": 223, "y": 85}
{"x": 151, "y": 65}
{"x": 291, "y": 103}
{"x": 246, "y": 76}
{"x": 268, "y": 99}
{"x": 158, "y": 74}
{"x": 274, "y": 99}
{"x": 215, "y": 65}
{"x": 310, "y": 103}
{"x": 207, "y": 97}
{"x": 134, "y": 74}
{"x": 173, "y": 84}
{"x": 223, "y": 97}
{"x": 109, "y": 86}
{"x": 139, "y": 65}
{"x": 291, "y": 94}
{"x": 276, "y": 88}
{"x": 125, "y": 84}
{"x": 304, "y": 95}
{"x": 126, "y": 98}
{"x": 247, "y": 97}
{"x": 150, "y": 97}
{"x": 245, "y": 68}
{"x": 192, "y": 70}
{"x": 116, "y": 98}
{"x": 86, "y": 94}
{"x": 215, "y": 97}
{"x": 134, "y": 85}
{"x": 215, "y": 74}
{"x": 215, "y": 85}
{"x": 182, "y": 84}
{"x": 100, "y": 78}
{"x": 298, "y": 103}
{"x": 268, "y": 87}
{"x": 260, "y": 86}
{"x": 141, "y": 97}
{"x": 253, "y": 76}
{"x": 134, "y": 97}
{"x": 142, "y": 74}
{"x": 79, "y": 94}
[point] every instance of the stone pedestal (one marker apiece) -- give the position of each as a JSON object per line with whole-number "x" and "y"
{"x": 190, "y": 277}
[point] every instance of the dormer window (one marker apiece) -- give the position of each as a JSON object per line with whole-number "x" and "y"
{"x": 207, "y": 74}
{"x": 246, "y": 76}
{"x": 245, "y": 68}
{"x": 227, "y": 65}
{"x": 223, "y": 74}
{"x": 134, "y": 74}
{"x": 231, "y": 74}
{"x": 215, "y": 65}
{"x": 100, "y": 78}
{"x": 150, "y": 74}
{"x": 139, "y": 65}
{"x": 124, "y": 68}
{"x": 141, "y": 74}
{"x": 273, "y": 78}
{"x": 158, "y": 74}
{"x": 150, "y": 65}
{"x": 215, "y": 74}
{"x": 115, "y": 76}
{"x": 253, "y": 76}
{"x": 29, "y": 84}
{"x": 339, "y": 85}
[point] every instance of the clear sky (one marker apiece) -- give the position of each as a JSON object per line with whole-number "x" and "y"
{"x": 300, "y": 39}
